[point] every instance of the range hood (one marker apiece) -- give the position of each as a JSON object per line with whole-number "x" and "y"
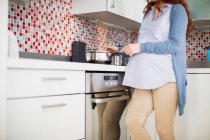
{"x": 121, "y": 13}
{"x": 114, "y": 19}
{"x": 201, "y": 23}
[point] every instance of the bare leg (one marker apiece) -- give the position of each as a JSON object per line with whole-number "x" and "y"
{"x": 139, "y": 108}
{"x": 111, "y": 120}
{"x": 165, "y": 104}
{"x": 100, "y": 111}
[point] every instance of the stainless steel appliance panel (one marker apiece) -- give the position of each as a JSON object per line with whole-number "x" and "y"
{"x": 93, "y": 119}
{"x": 104, "y": 82}
{"x": 106, "y": 101}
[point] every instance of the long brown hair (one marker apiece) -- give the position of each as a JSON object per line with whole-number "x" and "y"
{"x": 182, "y": 2}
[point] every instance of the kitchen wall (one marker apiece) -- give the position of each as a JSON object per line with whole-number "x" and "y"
{"x": 48, "y": 27}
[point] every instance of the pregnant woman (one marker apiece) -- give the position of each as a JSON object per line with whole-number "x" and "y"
{"x": 157, "y": 68}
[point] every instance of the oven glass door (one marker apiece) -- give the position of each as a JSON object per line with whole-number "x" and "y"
{"x": 105, "y": 116}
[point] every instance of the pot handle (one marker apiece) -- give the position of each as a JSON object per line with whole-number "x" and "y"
{"x": 118, "y": 53}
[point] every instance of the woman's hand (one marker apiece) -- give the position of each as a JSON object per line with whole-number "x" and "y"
{"x": 131, "y": 49}
{"x": 112, "y": 49}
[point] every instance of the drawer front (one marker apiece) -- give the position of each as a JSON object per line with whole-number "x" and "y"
{"x": 31, "y": 83}
{"x": 46, "y": 118}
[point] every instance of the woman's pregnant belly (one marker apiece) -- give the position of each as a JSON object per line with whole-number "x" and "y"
{"x": 149, "y": 70}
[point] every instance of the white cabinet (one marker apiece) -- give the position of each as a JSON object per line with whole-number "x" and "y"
{"x": 123, "y": 13}
{"x": 32, "y": 83}
{"x": 45, "y": 104}
{"x": 139, "y": 6}
{"x": 199, "y": 9}
{"x": 123, "y": 8}
{"x": 88, "y": 6}
{"x": 3, "y": 64}
{"x": 195, "y": 123}
{"x": 46, "y": 118}
{"x": 132, "y": 9}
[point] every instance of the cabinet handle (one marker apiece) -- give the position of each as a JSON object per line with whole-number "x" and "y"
{"x": 110, "y": 99}
{"x": 113, "y": 4}
{"x": 53, "y": 105}
{"x": 53, "y": 78}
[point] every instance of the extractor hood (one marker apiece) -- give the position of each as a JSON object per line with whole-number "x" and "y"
{"x": 201, "y": 23}
{"x": 109, "y": 17}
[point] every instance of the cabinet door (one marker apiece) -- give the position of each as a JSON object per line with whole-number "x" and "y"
{"x": 199, "y": 8}
{"x": 139, "y": 6}
{"x": 195, "y": 123}
{"x": 46, "y": 118}
{"x": 124, "y": 8}
{"x": 32, "y": 83}
{"x": 88, "y": 6}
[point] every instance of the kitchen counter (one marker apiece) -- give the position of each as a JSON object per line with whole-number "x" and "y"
{"x": 198, "y": 67}
{"x": 58, "y": 65}
{"x": 198, "y": 64}
{"x": 198, "y": 70}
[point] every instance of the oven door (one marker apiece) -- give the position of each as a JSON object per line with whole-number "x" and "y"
{"x": 105, "y": 115}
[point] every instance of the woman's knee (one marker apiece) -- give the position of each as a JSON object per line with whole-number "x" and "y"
{"x": 133, "y": 122}
{"x": 165, "y": 132}
{"x": 109, "y": 120}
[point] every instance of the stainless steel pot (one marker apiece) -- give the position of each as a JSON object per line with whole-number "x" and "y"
{"x": 90, "y": 56}
{"x": 104, "y": 57}
{"x": 117, "y": 59}
{"x": 120, "y": 59}
{"x": 98, "y": 57}
{"x": 125, "y": 59}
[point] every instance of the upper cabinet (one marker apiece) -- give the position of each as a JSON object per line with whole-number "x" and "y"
{"x": 121, "y": 7}
{"x": 199, "y": 8}
{"x": 200, "y": 11}
{"x": 139, "y": 6}
{"x": 124, "y": 13}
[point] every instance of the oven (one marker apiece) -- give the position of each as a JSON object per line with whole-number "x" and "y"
{"x": 106, "y": 101}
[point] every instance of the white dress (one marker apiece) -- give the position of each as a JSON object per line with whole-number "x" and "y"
{"x": 149, "y": 70}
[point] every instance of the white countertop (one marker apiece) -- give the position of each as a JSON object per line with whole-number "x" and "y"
{"x": 61, "y": 65}
{"x": 198, "y": 70}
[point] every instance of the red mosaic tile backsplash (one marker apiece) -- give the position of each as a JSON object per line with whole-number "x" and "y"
{"x": 48, "y": 27}
{"x": 196, "y": 44}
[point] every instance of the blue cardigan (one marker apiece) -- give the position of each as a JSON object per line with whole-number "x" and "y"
{"x": 175, "y": 45}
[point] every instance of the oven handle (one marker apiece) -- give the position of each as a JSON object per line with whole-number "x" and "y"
{"x": 110, "y": 99}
